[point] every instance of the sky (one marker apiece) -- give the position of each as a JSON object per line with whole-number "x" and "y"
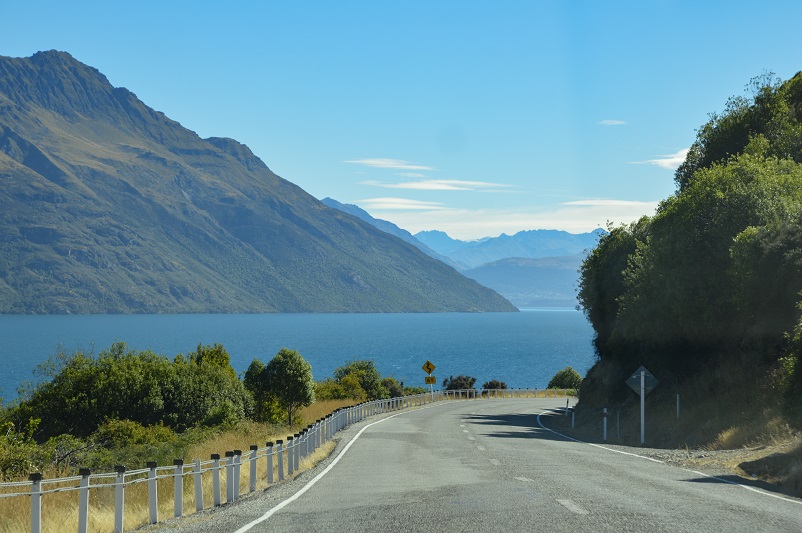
{"x": 473, "y": 118}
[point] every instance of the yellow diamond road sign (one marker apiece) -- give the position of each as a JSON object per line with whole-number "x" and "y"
{"x": 428, "y": 367}
{"x": 431, "y": 380}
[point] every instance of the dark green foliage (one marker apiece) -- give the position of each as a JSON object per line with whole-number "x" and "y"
{"x": 393, "y": 387}
{"x": 494, "y": 384}
{"x": 266, "y": 408}
{"x": 567, "y": 378}
{"x": 84, "y": 392}
{"x": 458, "y": 383}
{"x": 773, "y": 111}
{"x": 364, "y": 372}
{"x": 716, "y": 274}
{"x": 289, "y": 381}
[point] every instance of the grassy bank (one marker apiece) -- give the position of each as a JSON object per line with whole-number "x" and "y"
{"x": 59, "y": 510}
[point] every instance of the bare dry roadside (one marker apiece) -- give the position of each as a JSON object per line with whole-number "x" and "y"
{"x": 775, "y": 466}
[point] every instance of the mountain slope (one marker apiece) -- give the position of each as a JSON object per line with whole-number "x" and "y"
{"x": 388, "y": 227}
{"x": 109, "y": 206}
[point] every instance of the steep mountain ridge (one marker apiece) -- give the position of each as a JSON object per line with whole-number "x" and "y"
{"x": 110, "y": 206}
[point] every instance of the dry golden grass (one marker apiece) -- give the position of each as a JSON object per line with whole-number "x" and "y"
{"x": 60, "y": 510}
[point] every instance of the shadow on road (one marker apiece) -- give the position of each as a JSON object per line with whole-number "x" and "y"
{"x": 514, "y": 426}
{"x": 740, "y": 480}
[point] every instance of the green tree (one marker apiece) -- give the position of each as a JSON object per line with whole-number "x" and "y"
{"x": 394, "y": 388}
{"x": 255, "y": 380}
{"x": 567, "y": 378}
{"x": 215, "y": 355}
{"x": 367, "y": 375}
{"x": 460, "y": 382}
{"x": 289, "y": 379}
{"x": 494, "y": 384}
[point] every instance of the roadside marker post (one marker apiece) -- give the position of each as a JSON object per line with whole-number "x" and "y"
{"x": 604, "y": 425}
{"x": 642, "y": 382}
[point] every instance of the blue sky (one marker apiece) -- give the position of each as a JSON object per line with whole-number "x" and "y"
{"x": 475, "y": 118}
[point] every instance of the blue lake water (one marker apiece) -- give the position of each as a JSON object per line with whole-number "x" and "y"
{"x": 522, "y": 349}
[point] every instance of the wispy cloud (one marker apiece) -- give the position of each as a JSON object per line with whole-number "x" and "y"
{"x": 381, "y": 162}
{"x": 438, "y": 185}
{"x": 399, "y": 204}
{"x": 411, "y": 175}
{"x": 670, "y": 161}
{"x": 612, "y": 122}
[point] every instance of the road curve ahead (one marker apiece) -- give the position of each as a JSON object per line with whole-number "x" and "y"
{"x": 483, "y": 465}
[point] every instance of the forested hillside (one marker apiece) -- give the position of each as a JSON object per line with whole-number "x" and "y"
{"x": 708, "y": 289}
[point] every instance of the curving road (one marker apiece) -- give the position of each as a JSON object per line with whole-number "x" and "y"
{"x": 489, "y": 464}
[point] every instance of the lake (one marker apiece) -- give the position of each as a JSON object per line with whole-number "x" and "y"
{"x": 522, "y": 349}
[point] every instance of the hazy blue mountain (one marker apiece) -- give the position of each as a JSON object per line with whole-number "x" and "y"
{"x": 526, "y": 244}
{"x": 532, "y": 282}
{"x": 110, "y": 207}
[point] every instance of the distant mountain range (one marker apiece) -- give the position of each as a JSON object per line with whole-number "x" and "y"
{"x": 536, "y": 268}
{"x": 529, "y": 244}
{"x": 110, "y": 207}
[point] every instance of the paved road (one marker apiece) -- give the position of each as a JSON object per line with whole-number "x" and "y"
{"x": 487, "y": 464}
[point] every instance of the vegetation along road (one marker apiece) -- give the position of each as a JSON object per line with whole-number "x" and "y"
{"x": 482, "y": 465}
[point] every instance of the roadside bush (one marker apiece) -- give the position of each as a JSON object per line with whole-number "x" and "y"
{"x": 121, "y": 384}
{"x": 567, "y": 378}
{"x": 494, "y": 384}
{"x": 458, "y": 383}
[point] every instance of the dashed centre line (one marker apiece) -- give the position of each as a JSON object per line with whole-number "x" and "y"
{"x": 574, "y": 508}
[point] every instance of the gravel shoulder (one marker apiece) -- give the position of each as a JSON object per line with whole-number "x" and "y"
{"x": 774, "y": 467}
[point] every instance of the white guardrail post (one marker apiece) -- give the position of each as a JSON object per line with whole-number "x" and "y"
{"x": 83, "y": 501}
{"x": 237, "y": 463}
{"x": 229, "y": 476}
{"x": 269, "y": 462}
{"x": 36, "y": 502}
{"x": 153, "y": 493}
{"x": 216, "y": 479}
{"x": 252, "y": 461}
{"x": 119, "y": 499}
{"x": 280, "y": 452}
{"x": 178, "y": 488}
{"x": 198, "y": 475}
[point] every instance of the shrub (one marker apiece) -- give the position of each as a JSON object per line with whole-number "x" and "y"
{"x": 494, "y": 384}
{"x": 458, "y": 383}
{"x": 567, "y": 378}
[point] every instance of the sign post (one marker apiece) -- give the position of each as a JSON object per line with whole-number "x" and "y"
{"x": 642, "y": 382}
{"x": 429, "y": 367}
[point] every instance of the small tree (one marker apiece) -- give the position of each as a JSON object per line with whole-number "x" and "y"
{"x": 494, "y": 384}
{"x": 289, "y": 381}
{"x": 366, "y": 374}
{"x": 458, "y": 383}
{"x": 567, "y": 378}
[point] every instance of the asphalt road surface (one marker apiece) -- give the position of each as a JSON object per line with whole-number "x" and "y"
{"x": 484, "y": 465}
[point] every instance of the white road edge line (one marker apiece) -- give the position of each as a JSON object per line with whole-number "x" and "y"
{"x": 315, "y": 479}
{"x": 747, "y": 487}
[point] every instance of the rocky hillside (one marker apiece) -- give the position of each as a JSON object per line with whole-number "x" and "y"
{"x": 110, "y": 207}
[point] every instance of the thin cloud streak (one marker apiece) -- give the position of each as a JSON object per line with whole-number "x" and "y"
{"x": 382, "y": 162}
{"x": 669, "y": 161}
{"x": 398, "y": 204}
{"x": 612, "y": 122}
{"x": 437, "y": 185}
